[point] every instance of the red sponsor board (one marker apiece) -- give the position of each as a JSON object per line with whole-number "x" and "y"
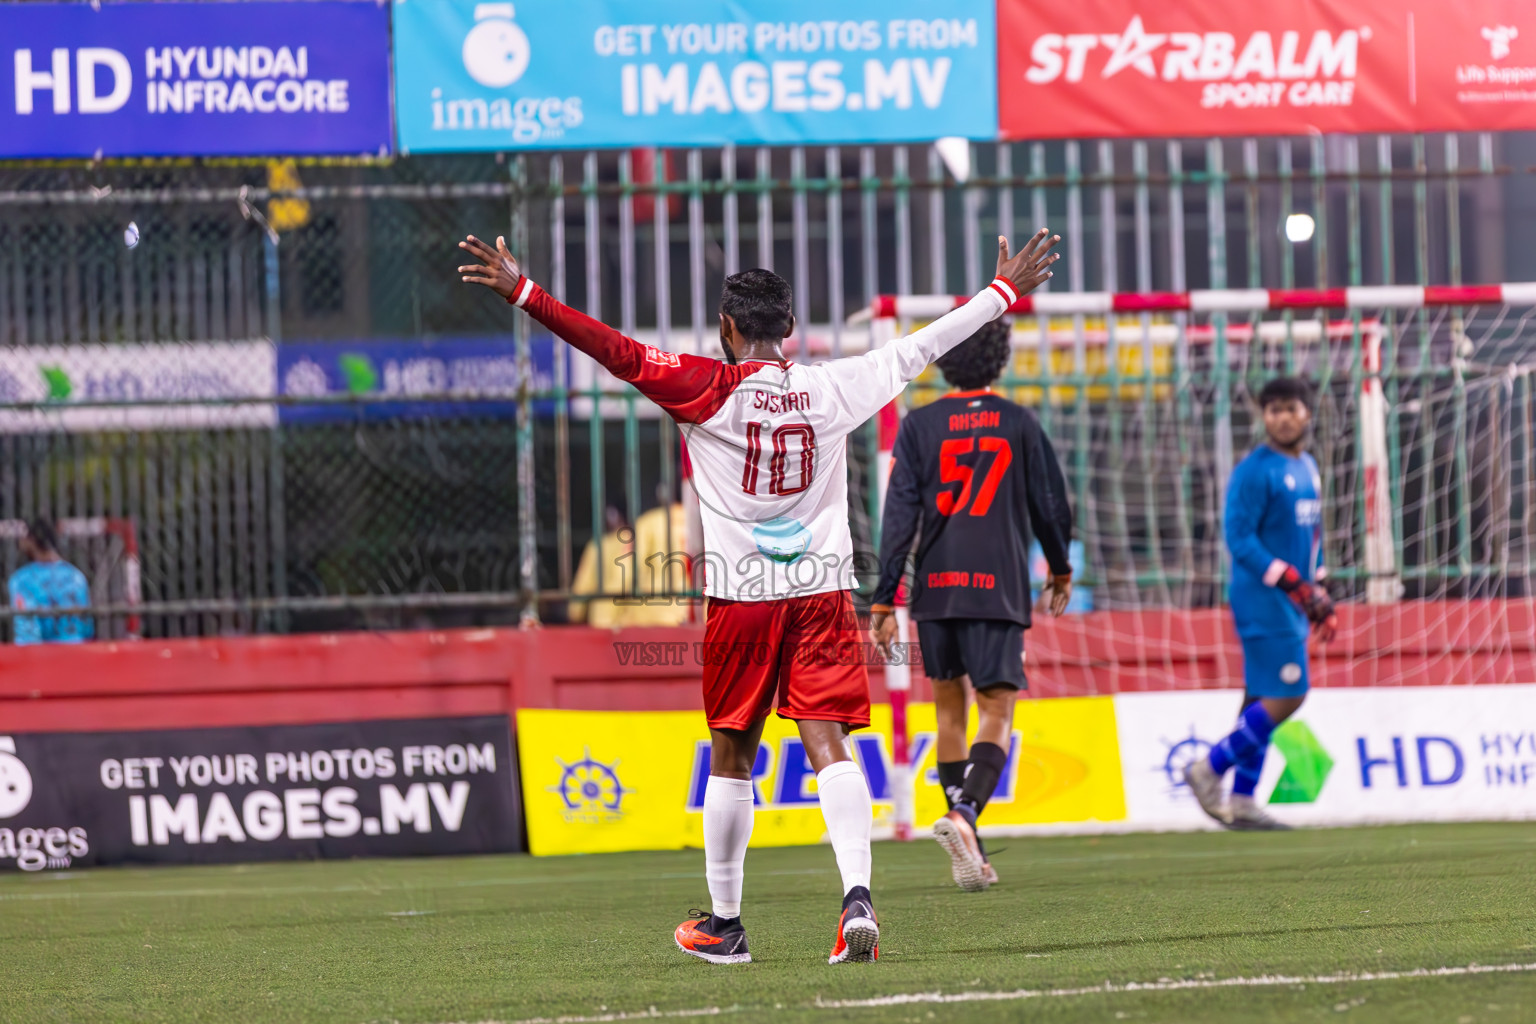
{"x": 1282, "y": 67}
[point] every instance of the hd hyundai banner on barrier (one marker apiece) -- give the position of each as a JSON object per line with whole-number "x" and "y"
{"x": 472, "y": 75}
{"x": 1211, "y": 67}
{"x": 194, "y": 79}
{"x": 1350, "y": 756}
{"x": 365, "y": 789}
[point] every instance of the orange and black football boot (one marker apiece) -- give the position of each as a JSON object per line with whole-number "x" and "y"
{"x": 858, "y": 933}
{"x": 718, "y": 940}
{"x": 956, "y": 832}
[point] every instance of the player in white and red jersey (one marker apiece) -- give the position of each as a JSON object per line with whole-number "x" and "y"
{"x": 766, "y": 437}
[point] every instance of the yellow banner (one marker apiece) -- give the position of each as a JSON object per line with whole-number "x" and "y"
{"x": 606, "y": 781}
{"x": 1130, "y": 364}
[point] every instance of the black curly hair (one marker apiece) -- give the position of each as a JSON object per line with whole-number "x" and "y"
{"x": 760, "y": 303}
{"x": 1285, "y": 389}
{"x": 977, "y": 361}
{"x": 44, "y": 534}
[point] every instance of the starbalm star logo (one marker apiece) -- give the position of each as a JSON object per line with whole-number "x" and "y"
{"x": 1132, "y": 48}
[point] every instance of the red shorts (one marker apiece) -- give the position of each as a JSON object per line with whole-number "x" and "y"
{"x": 810, "y": 650}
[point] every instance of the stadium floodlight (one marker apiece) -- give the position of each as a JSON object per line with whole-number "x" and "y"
{"x": 1299, "y": 227}
{"x": 956, "y": 154}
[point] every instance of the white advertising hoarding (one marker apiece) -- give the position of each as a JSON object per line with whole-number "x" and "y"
{"x": 82, "y": 388}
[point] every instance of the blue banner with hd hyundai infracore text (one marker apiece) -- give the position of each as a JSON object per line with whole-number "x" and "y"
{"x": 194, "y": 79}
{"x": 573, "y": 73}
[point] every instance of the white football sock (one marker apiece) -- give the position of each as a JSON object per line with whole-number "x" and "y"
{"x": 849, "y": 812}
{"x": 727, "y": 827}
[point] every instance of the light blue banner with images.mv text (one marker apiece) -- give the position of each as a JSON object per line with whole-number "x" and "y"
{"x": 574, "y": 73}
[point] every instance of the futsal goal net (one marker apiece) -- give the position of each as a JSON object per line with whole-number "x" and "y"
{"x": 1423, "y": 436}
{"x": 1422, "y": 429}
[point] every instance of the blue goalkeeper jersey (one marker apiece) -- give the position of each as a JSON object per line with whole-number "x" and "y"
{"x": 41, "y": 585}
{"x": 1273, "y": 515}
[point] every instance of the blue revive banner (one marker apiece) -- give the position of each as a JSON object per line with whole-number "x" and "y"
{"x": 194, "y": 79}
{"x": 576, "y": 73}
{"x": 440, "y": 378}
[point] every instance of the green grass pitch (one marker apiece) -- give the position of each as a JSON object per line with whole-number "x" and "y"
{"x": 1325, "y": 924}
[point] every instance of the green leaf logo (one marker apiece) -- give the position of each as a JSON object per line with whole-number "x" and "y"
{"x": 1307, "y": 764}
{"x": 357, "y": 369}
{"x": 59, "y": 385}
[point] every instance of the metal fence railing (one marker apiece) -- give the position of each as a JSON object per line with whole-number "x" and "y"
{"x": 311, "y": 423}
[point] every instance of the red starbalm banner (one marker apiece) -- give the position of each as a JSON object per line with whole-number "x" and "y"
{"x": 1282, "y": 67}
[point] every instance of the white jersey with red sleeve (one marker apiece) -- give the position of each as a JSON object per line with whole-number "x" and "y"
{"x": 768, "y": 440}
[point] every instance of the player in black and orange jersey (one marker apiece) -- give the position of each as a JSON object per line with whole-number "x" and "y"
{"x": 973, "y": 475}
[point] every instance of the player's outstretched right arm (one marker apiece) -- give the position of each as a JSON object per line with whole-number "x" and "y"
{"x": 680, "y": 383}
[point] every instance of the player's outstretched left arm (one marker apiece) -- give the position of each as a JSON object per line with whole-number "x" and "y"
{"x": 1016, "y": 276}
{"x": 864, "y": 384}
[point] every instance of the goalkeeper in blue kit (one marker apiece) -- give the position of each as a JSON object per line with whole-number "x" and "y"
{"x": 1274, "y": 531}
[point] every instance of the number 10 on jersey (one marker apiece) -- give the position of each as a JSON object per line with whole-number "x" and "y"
{"x": 791, "y": 441}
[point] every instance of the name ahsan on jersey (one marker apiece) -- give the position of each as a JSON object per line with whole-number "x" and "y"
{"x": 974, "y": 420}
{"x": 786, "y": 401}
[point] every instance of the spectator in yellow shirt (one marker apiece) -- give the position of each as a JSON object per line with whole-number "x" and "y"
{"x": 652, "y": 553}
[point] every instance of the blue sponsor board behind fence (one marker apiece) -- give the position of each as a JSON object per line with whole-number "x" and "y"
{"x": 437, "y": 378}
{"x": 473, "y": 75}
{"x": 194, "y": 79}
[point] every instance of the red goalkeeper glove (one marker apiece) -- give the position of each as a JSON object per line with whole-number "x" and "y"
{"x": 1313, "y": 601}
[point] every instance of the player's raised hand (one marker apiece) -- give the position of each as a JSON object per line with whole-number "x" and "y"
{"x": 497, "y": 270}
{"x": 1031, "y": 267}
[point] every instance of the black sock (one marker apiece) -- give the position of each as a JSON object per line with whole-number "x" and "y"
{"x": 983, "y": 770}
{"x": 951, "y": 778}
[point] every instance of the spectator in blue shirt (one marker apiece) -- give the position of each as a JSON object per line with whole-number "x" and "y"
{"x": 48, "y": 581}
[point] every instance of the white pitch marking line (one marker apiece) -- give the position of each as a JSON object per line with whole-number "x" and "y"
{"x": 1108, "y": 988}
{"x": 1169, "y": 985}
